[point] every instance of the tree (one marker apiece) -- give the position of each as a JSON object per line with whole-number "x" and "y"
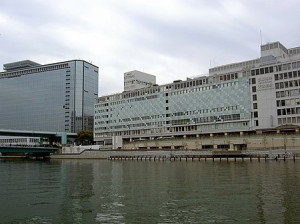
{"x": 84, "y": 137}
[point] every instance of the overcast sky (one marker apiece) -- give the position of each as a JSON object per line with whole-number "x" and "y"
{"x": 172, "y": 39}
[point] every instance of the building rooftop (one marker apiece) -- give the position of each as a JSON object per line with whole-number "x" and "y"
{"x": 19, "y": 65}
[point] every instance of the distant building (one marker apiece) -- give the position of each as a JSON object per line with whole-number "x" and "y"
{"x": 54, "y": 97}
{"x": 136, "y": 80}
{"x": 20, "y": 141}
{"x": 259, "y": 95}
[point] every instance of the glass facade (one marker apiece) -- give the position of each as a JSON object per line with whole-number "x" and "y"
{"x": 56, "y": 97}
{"x": 185, "y": 107}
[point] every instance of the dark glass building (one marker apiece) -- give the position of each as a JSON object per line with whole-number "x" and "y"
{"x": 57, "y": 97}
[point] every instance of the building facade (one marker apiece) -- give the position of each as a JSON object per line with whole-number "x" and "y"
{"x": 257, "y": 95}
{"x": 55, "y": 97}
{"x": 274, "y": 85}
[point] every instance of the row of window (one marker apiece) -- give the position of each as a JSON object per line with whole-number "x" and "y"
{"x": 288, "y": 120}
{"x": 209, "y": 119}
{"x": 273, "y": 46}
{"x": 288, "y": 111}
{"x": 32, "y": 70}
{"x": 276, "y": 68}
{"x": 127, "y": 101}
{"x": 260, "y": 71}
{"x": 235, "y": 65}
{"x": 175, "y": 114}
{"x": 174, "y": 86}
{"x": 287, "y": 75}
{"x": 186, "y": 128}
{"x": 193, "y": 121}
{"x": 19, "y": 140}
{"x": 228, "y": 77}
{"x": 288, "y": 102}
{"x": 136, "y": 82}
{"x": 287, "y": 84}
{"x": 201, "y": 111}
{"x": 200, "y": 89}
{"x": 288, "y": 93}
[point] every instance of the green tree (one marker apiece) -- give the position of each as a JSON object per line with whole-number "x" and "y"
{"x": 84, "y": 137}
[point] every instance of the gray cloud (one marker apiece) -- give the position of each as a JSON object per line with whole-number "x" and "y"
{"x": 171, "y": 39}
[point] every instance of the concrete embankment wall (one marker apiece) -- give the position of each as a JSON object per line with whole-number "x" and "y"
{"x": 249, "y": 142}
{"x": 254, "y": 144}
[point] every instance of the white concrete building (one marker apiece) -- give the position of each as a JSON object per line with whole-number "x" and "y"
{"x": 137, "y": 80}
{"x": 258, "y": 95}
{"x": 275, "y": 86}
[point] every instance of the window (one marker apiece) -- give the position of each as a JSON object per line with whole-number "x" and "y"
{"x": 279, "y": 68}
{"x": 254, "y": 105}
{"x": 266, "y": 70}
{"x": 286, "y": 84}
{"x": 277, "y": 94}
{"x": 255, "y": 114}
{"x": 262, "y": 71}
{"x": 254, "y": 97}
{"x": 294, "y": 74}
{"x": 278, "y": 103}
{"x": 253, "y": 89}
{"x": 281, "y": 86}
{"x": 279, "y": 112}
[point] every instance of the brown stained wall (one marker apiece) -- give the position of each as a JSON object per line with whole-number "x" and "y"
{"x": 255, "y": 142}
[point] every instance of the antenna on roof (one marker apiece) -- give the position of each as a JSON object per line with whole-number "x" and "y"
{"x": 260, "y": 37}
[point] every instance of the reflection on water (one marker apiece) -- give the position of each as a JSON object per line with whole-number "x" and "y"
{"x": 100, "y": 191}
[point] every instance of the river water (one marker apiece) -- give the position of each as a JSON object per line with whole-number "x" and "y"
{"x": 101, "y": 191}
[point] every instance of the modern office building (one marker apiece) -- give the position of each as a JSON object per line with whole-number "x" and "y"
{"x": 257, "y": 95}
{"x": 137, "y": 80}
{"x": 57, "y": 97}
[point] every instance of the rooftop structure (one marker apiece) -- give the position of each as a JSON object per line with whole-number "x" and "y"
{"x": 136, "y": 80}
{"x": 19, "y": 65}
